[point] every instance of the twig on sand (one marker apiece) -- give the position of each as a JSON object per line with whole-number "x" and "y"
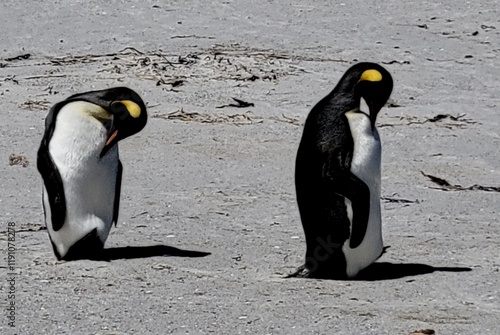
{"x": 287, "y": 119}
{"x": 20, "y": 57}
{"x": 459, "y": 119}
{"x": 35, "y": 104}
{"x": 18, "y": 160}
{"x": 399, "y": 200}
{"x": 239, "y": 104}
{"x": 446, "y": 186}
{"x": 53, "y": 75}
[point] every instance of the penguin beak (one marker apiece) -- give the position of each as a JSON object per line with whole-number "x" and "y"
{"x": 367, "y": 105}
{"x": 125, "y": 122}
{"x": 373, "y": 113}
{"x": 112, "y": 139}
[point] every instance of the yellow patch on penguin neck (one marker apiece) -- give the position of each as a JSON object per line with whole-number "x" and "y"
{"x": 133, "y": 109}
{"x": 371, "y": 75}
{"x": 91, "y": 109}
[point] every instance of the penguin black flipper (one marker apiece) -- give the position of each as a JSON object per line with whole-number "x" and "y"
{"x": 346, "y": 184}
{"x": 118, "y": 187}
{"x": 55, "y": 189}
{"x": 50, "y": 174}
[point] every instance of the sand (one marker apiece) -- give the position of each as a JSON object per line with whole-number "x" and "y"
{"x": 212, "y": 184}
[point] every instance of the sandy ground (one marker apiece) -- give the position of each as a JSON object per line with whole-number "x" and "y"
{"x": 212, "y": 186}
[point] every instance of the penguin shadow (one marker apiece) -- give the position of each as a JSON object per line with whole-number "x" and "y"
{"x": 150, "y": 251}
{"x": 386, "y": 271}
{"x": 134, "y": 252}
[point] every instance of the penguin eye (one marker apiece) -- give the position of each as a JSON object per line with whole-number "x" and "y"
{"x": 131, "y": 108}
{"x": 119, "y": 109}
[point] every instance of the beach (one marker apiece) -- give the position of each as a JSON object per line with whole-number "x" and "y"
{"x": 209, "y": 227}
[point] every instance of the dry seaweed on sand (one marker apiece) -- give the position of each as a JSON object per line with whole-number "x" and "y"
{"x": 446, "y": 186}
{"x": 237, "y": 119}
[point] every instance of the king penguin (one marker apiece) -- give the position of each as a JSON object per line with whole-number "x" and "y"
{"x": 337, "y": 176}
{"x": 81, "y": 170}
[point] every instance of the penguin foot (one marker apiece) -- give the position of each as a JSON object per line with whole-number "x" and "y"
{"x": 323, "y": 273}
{"x": 89, "y": 247}
{"x": 302, "y": 272}
{"x": 94, "y": 255}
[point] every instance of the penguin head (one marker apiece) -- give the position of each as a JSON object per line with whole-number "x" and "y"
{"x": 129, "y": 117}
{"x": 127, "y": 110}
{"x": 372, "y": 83}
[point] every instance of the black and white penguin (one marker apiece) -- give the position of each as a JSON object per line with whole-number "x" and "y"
{"x": 81, "y": 170}
{"x": 337, "y": 176}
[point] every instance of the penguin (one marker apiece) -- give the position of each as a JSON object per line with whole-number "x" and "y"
{"x": 81, "y": 170}
{"x": 337, "y": 176}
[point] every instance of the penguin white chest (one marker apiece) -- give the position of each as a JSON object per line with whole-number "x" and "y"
{"x": 89, "y": 181}
{"x": 365, "y": 164}
{"x": 367, "y": 151}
